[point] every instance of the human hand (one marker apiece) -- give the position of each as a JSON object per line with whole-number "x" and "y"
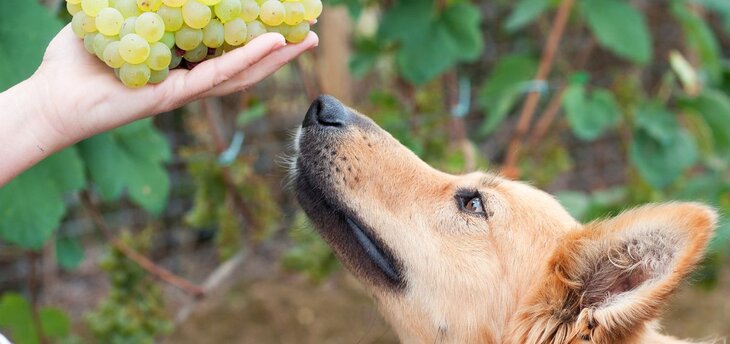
{"x": 80, "y": 97}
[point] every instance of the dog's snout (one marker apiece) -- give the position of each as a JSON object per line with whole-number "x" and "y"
{"x": 327, "y": 111}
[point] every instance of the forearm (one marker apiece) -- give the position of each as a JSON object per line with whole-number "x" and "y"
{"x": 25, "y": 136}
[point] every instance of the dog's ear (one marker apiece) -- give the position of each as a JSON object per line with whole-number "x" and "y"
{"x": 606, "y": 282}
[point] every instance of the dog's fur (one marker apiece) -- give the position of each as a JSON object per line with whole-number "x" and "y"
{"x": 522, "y": 271}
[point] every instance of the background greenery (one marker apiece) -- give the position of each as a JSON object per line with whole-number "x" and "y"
{"x": 635, "y": 109}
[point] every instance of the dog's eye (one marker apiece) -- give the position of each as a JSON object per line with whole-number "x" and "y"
{"x": 474, "y": 205}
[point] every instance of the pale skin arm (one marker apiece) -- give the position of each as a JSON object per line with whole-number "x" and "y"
{"x": 73, "y": 95}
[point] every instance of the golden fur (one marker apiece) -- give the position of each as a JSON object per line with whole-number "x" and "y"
{"x": 527, "y": 272}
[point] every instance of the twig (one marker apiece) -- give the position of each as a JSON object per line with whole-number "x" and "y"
{"x": 220, "y": 147}
{"x": 457, "y": 125}
{"x": 547, "y": 118}
{"x": 533, "y": 98}
{"x": 146, "y": 264}
{"x": 33, "y": 292}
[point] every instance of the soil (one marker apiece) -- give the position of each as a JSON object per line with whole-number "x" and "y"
{"x": 282, "y": 309}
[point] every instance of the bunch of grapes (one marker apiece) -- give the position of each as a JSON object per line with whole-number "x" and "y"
{"x": 144, "y": 39}
{"x": 134, "y": 310}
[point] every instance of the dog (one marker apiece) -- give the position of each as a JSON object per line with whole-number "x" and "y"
{"x": 477, "y": 258}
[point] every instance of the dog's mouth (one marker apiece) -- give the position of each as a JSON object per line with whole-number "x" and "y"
{"x": 355, "y": 244}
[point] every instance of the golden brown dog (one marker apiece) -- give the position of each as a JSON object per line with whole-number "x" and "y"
{"x": 480, "y": 259}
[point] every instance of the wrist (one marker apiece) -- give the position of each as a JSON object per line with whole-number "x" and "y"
{"x": 28, "y": 137}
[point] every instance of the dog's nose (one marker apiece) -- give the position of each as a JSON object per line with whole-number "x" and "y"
{"x": 327, "y": 111}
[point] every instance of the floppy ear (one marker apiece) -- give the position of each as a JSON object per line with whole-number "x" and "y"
{"x": 606, "y": 282}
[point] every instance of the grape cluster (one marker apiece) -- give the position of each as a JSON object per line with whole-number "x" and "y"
{"x": 134, "y": 310}
{"x": 144, "y": 39}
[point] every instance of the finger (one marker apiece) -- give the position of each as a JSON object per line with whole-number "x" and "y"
{"x": 183, "y": 86}
{"x": 265, "y": 67}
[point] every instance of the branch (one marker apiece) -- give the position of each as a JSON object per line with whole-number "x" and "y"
{"x": 146, "y": 264}
{"x": 33, "y": 292}
{"x": 220, "y": 147}
{"x": 546, "y": 63}
{"x": 547, "y": 118}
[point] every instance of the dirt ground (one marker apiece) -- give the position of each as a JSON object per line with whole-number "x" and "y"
{"x": 284, "y": 309}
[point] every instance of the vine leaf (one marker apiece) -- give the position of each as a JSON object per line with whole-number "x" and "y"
{"x": 590, "y": 115}
{"x": 16, "y": 320}
{"x": 431, "y": 42}
{"x": 714, "y": 108}
{"x": 503, "y": 88}
{"x": 619, "y": 28}
{"x": 661, "y": 149}
{"x": 32, "y": 205}
{"x": 25, "y": 30}
{"x": 69, "y": 253}
{"x": 525, "y": 13}
{"x": 132, "y": 158}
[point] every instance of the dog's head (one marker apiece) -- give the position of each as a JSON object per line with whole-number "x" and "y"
{"x": 477, "y": 258}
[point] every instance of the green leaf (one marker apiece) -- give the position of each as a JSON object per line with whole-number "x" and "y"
{"x": 55, "y": 323}
{"x": 661, "y": 156}
{"x": 16, "y": 319}
{"x": 132, "y": 158}
{"x": 25, "y": 30}
{"x": 503, "y": 88}
{"x": 590, "y": 116}
{"x": 619, "y": 28}
{"x": 525, "y": 13}
{"x": 714, "y": 108}
{"x": 700, "y": 38}
{"x": 69, "y": 253}
{"x": 429, "y": 42}
{"x": 252, "y": 113}
{"x": 32, "y": 204}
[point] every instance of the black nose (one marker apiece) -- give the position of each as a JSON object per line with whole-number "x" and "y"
{"x": 327, "y": 111}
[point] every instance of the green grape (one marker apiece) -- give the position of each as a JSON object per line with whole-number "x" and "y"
{"x": 160, "y": 57}
{"x": 168, "y": 39}
{"x": 249, "y": 10}
{"x": 78, "y": 23}
{"x": 128, "y": 8}
{"x": 109, "y": 21}
{"x": 134, "y": 49}
{"x": 89, "y": 42}
{"x": 255, "y": 29}
{"x": 172, "y": 17}
{"x": 75, "y": 2}
{"x": 92, "y": 7}
{"x": 100, "y": 43}
{"x": 158, "y": 76}
{"x": 196, "y": 55}
{"x": 150, "y": 26}
{"x": 213, "y": 34}
{"x": 196, "y": 15}
{"x": 227, "y": 10}
{"x": 235, "y": 32}
{"x": 175, "y": 61}
{"x": 128, "y": 26}
{"x": 280, "y": 29}
{"x": 111, "y": 55}
{"x": 312, "y": 9}
{"x": 73, "y": 8}
{"x": 210, "y": 2}
{"x": 298, "y": 32}
{"x": 272, "y": 13}
{"x": 149, "y": 5}
{"x": 174, "y": 3}
{"x": 188, "y": 38}
{"x": 294, "y": 13}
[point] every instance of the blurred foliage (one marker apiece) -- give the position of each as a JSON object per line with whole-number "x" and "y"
{"x": 134, "y": 310}
{"x": 650, "y": 79}
{"x": 17, "y": 321}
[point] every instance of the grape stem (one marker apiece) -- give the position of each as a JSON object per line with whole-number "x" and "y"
{"x": 143, "y": 262}
{"x": 510, "y": 170}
